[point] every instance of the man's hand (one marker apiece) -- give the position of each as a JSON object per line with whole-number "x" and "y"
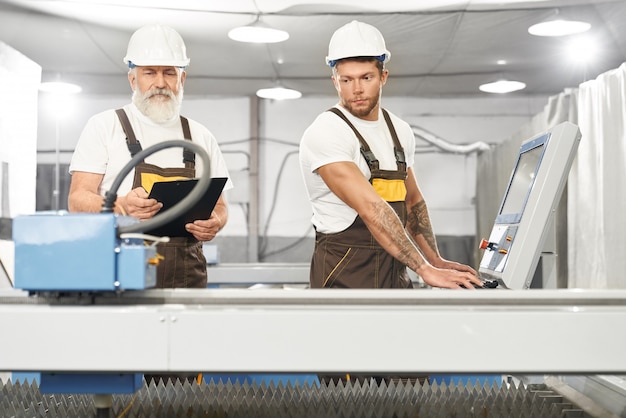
{"x": 205, "y": 230}
{"x": 136, "y": 203}
{"x": 453, "y": 265}
{"x": 448, "y": 278}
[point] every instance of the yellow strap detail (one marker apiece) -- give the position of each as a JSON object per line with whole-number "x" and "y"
{"x": 148, "y": 180}
{"x": 390, "y": 190}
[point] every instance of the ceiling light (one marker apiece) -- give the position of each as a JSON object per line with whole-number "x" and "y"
{"x": 278, "y": 93}
{"x": 258, "y": 32}
{"x": 502, "y": 86}
{"x": 582, "y": 50}
{"x": 59, "y": 87}
{"x": 559, "y": 27}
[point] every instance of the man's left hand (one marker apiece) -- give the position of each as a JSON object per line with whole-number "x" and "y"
{"x": 205, "y": 230}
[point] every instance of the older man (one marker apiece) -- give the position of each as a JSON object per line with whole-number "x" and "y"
{"x": 157, "y": 59}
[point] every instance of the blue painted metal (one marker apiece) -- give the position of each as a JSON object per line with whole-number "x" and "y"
{"x": 134, "y": 269}
{"x": 489, "y": 380}
{"x": 59, "y": 251}
{"x": 87, "y": 383}
{"x": 260, "y": 378}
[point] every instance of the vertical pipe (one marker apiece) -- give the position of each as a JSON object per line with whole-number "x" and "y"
{"x": 253, "y": 189}
{"x": 57, "y": 164}
{"x": 5, "y": 208}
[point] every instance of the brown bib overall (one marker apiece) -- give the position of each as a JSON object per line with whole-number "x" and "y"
{"x": 183, "y": 264}
{"x": 352, "y": 258}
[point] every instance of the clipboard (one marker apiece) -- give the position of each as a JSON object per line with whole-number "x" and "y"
{"x": 171, "y": 192}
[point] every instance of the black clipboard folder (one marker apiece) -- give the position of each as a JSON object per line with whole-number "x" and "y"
{"x": 171, "y": 192}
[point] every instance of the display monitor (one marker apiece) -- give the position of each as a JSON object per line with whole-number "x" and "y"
{"x": 522, "y": 180}
{"x": 524, "y": 219}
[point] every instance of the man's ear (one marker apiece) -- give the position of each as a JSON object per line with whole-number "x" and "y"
{"x": 335, "y": 83}
{"x": 383, "y": 76}
{"x": 183, "y": 77}
{"x": 132, "y": 80}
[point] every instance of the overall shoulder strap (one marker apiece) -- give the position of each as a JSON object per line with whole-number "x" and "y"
{"x": 367, "y": 153}
{"x": 397, "y": 147}
{"x": 189, "y": 157}
{"x": 131, "y": 141}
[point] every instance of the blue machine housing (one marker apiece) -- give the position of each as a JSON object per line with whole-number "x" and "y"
{"x": 59, "y": 251}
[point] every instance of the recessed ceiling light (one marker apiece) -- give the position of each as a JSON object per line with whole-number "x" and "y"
{"x": 502, "y": 86}
{"x": 582, "y": 50}
{"x": 278, "y": 93}
{"x": 59, "y": 87}
{"x": 258, "y": 32}
{"x": 559, "y": 27}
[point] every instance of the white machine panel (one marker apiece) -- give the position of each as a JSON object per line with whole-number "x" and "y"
{"x": 523, "y": 221}
{"x": 276, "y": 331}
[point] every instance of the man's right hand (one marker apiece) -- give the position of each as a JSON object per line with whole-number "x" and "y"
{"x": 447, "y": 278}
{"x": 137, "y": 204}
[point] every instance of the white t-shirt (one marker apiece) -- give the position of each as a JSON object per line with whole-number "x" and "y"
{"x": 329, "y": 139}
{"x": 102, "y": 147}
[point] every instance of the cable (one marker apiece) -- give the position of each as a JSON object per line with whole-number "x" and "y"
{"x": 287, "y": 247}
{"x": 178, "y": 209}
{"x": 274, "y": 199}
{"x": 447, "y": 146}
{"x": 145, "y": 237}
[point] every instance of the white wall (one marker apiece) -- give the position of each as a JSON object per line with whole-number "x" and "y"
{"x": 19, "y": 81}
{"x": 447, "y": 180}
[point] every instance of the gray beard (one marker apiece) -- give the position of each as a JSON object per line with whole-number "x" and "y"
{"x": 158, "y": 111}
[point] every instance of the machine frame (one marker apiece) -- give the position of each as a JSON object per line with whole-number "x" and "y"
{"x": 273, "y": 331}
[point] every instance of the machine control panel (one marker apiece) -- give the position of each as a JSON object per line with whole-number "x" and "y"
{"x": 512, "y": 251}
{"x": 497, "y": 248}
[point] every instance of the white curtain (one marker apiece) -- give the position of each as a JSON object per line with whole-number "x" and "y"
{"x": 597, "y": 190}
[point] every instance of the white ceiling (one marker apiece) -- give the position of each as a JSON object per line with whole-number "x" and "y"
{"x": 439, "y": 47}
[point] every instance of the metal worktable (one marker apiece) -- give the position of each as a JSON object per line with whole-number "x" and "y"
{"x": 306, "y": 330}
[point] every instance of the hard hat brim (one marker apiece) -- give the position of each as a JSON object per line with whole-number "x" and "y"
{"x": 382, "y": 57}
{"x": 158, "y": 63}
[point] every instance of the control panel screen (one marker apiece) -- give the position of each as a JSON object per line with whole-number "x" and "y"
{"x": 521, "y": 183}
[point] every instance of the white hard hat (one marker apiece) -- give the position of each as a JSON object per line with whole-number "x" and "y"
{"x": 357, "y": 39}
{"x": 156, "y": 45}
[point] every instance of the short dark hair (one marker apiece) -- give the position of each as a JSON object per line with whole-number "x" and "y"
{"x": 379, "y": 64}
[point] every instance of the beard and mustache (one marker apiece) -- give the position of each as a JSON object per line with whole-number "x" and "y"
{"x": 364, "y": 111}
{"x": 163, "y": 107}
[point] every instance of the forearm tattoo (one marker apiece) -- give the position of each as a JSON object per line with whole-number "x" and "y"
{"x": 418, "y": 223}
{"x": 388, "y": 221}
